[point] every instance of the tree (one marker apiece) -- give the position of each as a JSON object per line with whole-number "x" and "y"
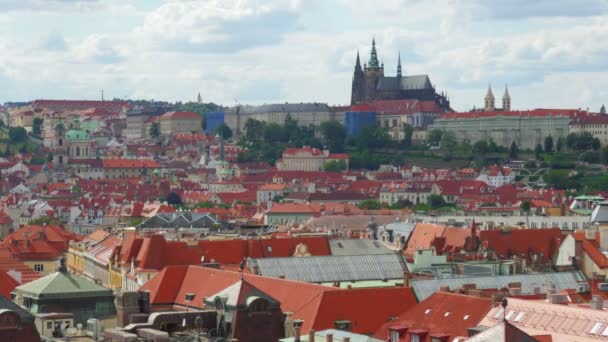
{"x": 603, "y": 109}
{"x": 154, "y": 131}
{"x": 372, "y": 137}
{"x": 434, "y": 136}
{"x": 17, "y": 134}
{"x": 369, "y": 204}
{"x": 548, "y": 144}
{"x": 334, "y": 135}
{"x": 408, "y": 131}
{"x": 37, "y": 126}
{"x": 525, "y": 206}
{"x": 513, "y": 151}
{"x": 538, "y": 150}
{"x": 558, "y": 179}
{"x": 604, "y": 154}
{"x": 595, "y": 144}
{"x": 436, "y": 201}
{"x": 174, "y": 199}
{"x": 335, "y": 166}
{"x": 480, "y": 147}
{"x": 254, "y": 130}
{"x": 559, "y": 145}
{"x": 224, "y": 131}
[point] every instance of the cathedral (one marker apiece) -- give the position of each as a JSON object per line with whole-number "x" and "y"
{"x": 370, "y": 84}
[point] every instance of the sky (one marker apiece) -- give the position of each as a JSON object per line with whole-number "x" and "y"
{"x": 550, "y": 53}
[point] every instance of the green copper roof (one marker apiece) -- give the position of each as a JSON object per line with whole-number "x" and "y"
{"x": 63, "y": 285}
{"x": 373, "y": 61}
{"x": 77, "y": 134}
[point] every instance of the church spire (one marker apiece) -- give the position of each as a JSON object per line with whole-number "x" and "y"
{"x": 399, "y": 65}
{"x": 373, "y": 60}
{"x": 490, "y": 104}
{"x": 506, "y": 100}
{"x": 358, "y": 63}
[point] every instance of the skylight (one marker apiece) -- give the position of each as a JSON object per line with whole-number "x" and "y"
{"x": 446, "y": 314}
{"x": 466, "y": 317}
{"x": 509, "y": 315}
{"x": 499, "y": 313}
{"x": 605, "y": 333}
{"x": 520, "y": 316}
{"x": 596, "y": 328}
{"x": 426, "y": 312}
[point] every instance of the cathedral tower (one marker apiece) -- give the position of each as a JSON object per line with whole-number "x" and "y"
{"x": 506, "y": 100}
{"x": 490, "y": 102}
{"x": 358, "y": 83}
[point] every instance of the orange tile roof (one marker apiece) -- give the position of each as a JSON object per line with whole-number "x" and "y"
{"x": 130, "y": 163}
{"x": 319, "y": 306}
{"x": 7, "y": 284}
{"x": 441, "y": 313}
{"x": 291, "y": 208}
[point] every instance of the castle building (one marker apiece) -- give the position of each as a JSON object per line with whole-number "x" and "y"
{"x": 370, "y": 84}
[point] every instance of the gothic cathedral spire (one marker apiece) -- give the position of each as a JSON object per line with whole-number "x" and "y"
{"x": 506, "y": 100}
{"x": 373, "y": 60}
{"x": 490, "y": 104}
{"x": 358, "y": 63}
{"x": 399, "y": 65}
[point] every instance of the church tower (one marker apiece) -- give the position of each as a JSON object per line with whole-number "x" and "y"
{"x": 506, "y": 100}
{"x": 490, "y": 103}
{"x": 399, "y": 74}
{"x": 373, "y": 71}
{"x": 358, "y": 83}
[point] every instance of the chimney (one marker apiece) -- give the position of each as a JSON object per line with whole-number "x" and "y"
{"x": 603, "y": 238}
{"x": 346, "y": 339}
{"x": 597, "y": 302}
{"x": 557, "y": 298}
{"x": 406, "y": 279}
{"x": 297, "y": 326}
{"x": 514, "y": 291}
{"x": 330, "y": 338}
{"x": 311, "y": 335}
{"x": 444, "y": 289}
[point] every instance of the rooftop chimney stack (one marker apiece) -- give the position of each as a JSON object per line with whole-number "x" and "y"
{"x": 311, "y": 335}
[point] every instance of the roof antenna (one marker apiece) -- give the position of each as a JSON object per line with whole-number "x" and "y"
{"x": 242, "y": 267}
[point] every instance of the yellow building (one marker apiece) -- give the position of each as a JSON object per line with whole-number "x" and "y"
{"x": 176, "y": 122}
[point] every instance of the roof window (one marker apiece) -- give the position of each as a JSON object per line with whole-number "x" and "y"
{"x": 596, "y": 328}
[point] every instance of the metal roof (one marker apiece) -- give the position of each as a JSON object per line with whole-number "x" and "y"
{"x": 285, "y": 108}
{"x": 357, "y": 247}
{"x": 424, "y": 288}
{"x": 324, "y": 269}
{"x": 404, "y": 83}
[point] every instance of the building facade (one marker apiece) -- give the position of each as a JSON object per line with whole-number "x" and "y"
{"x": 180, "y": 122}
{"x": 596, "y": 125}
{"x": 308, "y": 159}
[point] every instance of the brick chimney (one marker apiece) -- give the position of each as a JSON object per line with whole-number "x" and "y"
{"x": 311, "y": 335}
{"x": 297, "y": 326}
{"x": 597, "y": 302}
{"x": 330, "y": 338}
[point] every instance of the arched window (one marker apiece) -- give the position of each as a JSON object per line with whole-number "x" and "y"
{"x": 259, "y": 305}
{"x": 60, "y": 142}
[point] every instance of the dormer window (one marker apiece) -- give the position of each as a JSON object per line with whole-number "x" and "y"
{"x": 189, "y": 297}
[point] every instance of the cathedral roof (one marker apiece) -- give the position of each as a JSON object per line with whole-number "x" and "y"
{"x": 77, "y": 134}
{"x": 404, "y": 83}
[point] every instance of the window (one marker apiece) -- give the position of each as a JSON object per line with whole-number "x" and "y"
{"x": 394, "y": 336}
{"x": 258, "y": 305}
{"x": 49, "y": 324}
{"x": 39, "y": 267}
{"x": 596, "y": 328}
{"x": 414, "y": 338}
{"x": 520, "y": 316}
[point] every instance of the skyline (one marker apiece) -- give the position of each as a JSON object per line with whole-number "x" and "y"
{"x": 548, "y": 52}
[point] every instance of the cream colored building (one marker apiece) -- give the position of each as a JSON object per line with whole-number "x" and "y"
{"x": 180, "y": 122}
{"x": 597, "y": 125}
{"x": 307, "y": 159}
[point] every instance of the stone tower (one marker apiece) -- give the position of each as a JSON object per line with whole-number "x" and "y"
{"x": 59, "y": 149}
{"x": 490, "y": 102}
{"x": 358, "y": 82}
{"x": 373, "y": 71}
{"x": 506, "y": 100}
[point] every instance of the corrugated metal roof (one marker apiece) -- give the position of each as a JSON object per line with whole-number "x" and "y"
{"x": 357, "y": 247}
{"x": 324, "y": 269}
{"x": 424, "y": 288}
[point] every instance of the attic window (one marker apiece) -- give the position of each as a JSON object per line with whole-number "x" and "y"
{"x": 509, "y": 314}
{"x": 466, "y": 317}
{"x": 520, "y": 316}
{"x": 189, "y": 297}
{"x": 596, "y": 328}
{"x": 427, "y": 311}
{"x": 605, "y": 333}
{"x": 446, "y": 314}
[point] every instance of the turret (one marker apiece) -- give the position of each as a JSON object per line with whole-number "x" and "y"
{"x": 399, "y": 65}
{"x": 506, "y": 100}
{"x": 490, "y": 103}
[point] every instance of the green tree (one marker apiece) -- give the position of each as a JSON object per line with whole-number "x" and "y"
{"x": 595, "y": 144}
{"x": 559, "y": 145}
{"x": 372, "y": 137}
{"x": 369, "y": 204}
{"x": 436, "y": 201}
{"x": 538, "y": 150}
{"x": 525, "y": 206}
{"x": 37, "y": 126}
{"x": 334, "y": 135}
{"x": 17, "y": 134}
{"x": 408, "y": 132}
{"x": 254, "y": 130}
{"x": 557, "y": 179}
{"x": 335, "y": 166}
{"x": 513, "y": 151}
{"x": 604, "y": 154}
{"x": 224, "y": 131}
{"x": 603, "y": 109}
{"x": 434, "y": 137}
{"x": 549, "y": 144}
{"x": 480, "y": 147}
{"x": 154, "y": 131}
{"x": 174, "y": 199}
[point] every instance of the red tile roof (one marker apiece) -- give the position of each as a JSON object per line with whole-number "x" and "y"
{"x": 291, "y": 208}
{"x": 7, "y": 284}
{"x": 130, "y": 163}
{"x": 319, "y": 306}
{"x": 156, "y": 253}
{"x": 441, "y": 313}
{"x": 181, "y": 116}
{"x": 39, "y": 242}
{"x": 234, "y": 251}
{"x": 522, "y": 242}
{"x": 532, "y": 113}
